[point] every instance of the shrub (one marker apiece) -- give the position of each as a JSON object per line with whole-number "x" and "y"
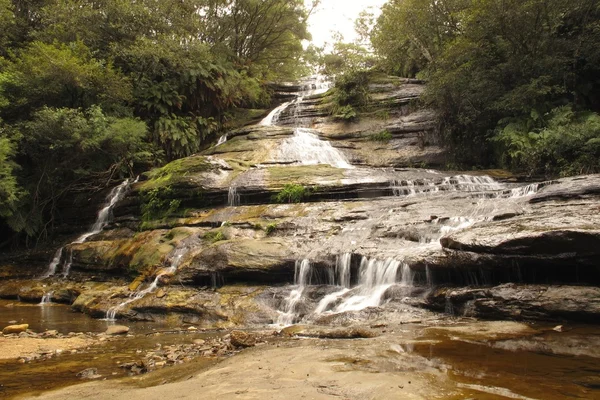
{"x": 270, "y": 228}
{"x": 214, "y": 236}
{"x": 384, "y": 136}
{"x": 292, "y": 193}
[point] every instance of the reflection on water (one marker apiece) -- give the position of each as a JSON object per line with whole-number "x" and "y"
{"x": 545, "y": 366}
{"x": 61, "y": 318}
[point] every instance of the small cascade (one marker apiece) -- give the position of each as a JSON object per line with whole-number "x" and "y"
{"x": 176, "y": 258}
{"x": 222, "y": 140}
{"x": 375, "y": 277}
{"x": 233, "y": 198}
{"x": 302, "y": 278}
{"x": 342, "y": 269}
{"x": 305, "y": 148}
{"x": 273, "y": 116}
{"x": 47, "y": 298}
{"x": 54, "y": 263}
{"x": 67, "y": 267}
{"x": 102, "y": 219}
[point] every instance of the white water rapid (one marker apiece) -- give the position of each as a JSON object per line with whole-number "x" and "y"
{"x": 102, "y": 219}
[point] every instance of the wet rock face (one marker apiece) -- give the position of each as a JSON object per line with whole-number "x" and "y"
{"x": 521, "y": 302}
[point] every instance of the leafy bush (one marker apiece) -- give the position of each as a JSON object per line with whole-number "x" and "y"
{"x": 292, "y": 193}
{"x": 214, "y": 236}
{"x": 384, "y": 136}
{"x": 345, "y": 113}
{"x": 270, "y": 228}
{"x": 568, "y": 144}
{"x": 158, "y": 204}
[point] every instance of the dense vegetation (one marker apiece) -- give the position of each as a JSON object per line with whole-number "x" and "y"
{"x": 515, "y": 82}
{"x": 91, "y": 91}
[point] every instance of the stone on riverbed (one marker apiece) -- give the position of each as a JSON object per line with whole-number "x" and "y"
{"x": 89, "y": 373}
{"x": 242, "y": 339}
{"x": 15, "y": 329}
{"x": 117, "y": 330}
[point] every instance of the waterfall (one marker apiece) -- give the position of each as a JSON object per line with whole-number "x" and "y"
{"x": 222, "y": 140}
{"x": 302, "y": 278}
{"x": 54, "y": 263}
{"x": 342, "y": 269}
{"x": 375, "y": 277}
{"x": 305, "y": 148}
{"x": 233, "y": 198}
{"x": 102, "y": 219}
{"x": 176, "y": 258}
{"x": 273, "y": 116}
{"x": 47, "y": 298}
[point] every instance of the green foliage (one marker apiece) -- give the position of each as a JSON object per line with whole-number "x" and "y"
{"x": 157, "y": 204}
{"x": 345, "y": 113}
{"x": 497, "y": 63}
{"x": 60, "y": 75}
{"x": 384, "y": 136}
{"x": 292, "y": 193}
{"x": 91, "y": 92}
{"x": 568, "y": 143}
{"x": 270, "y": 228}
{"x": 10, "y": 192}
{"x": 214, "y": 236}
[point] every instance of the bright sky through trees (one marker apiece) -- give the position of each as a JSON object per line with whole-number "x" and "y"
{"x": 338, "y": 16}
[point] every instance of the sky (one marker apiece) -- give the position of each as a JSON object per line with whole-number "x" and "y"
{"x": 337, "y": 16}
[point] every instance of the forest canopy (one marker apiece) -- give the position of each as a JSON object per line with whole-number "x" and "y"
{"x": 92, "y": 91}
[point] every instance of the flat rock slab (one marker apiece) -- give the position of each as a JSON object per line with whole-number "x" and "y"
{"x": 15, "y": 329}
{"x": 117, "y": 330}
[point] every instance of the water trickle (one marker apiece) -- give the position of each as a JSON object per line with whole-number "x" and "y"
{"x": 233, "y": 197}
{"x": 302, "y": 278}
{"x": 222, "y": 140}
{"x": 54, "y": 263}
{"x": 102, "y": 219}
{"x": 305, "y": 148}
{"x": 47, "y": 298}
{"x": 176, "y": 259}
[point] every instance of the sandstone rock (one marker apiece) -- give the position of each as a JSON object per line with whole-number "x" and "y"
{"x": 15, "y": 329}
{"x": 89, "y": 373}
{"x": 117, "y": 330}
{"x": 50, "y": 334}
{"x": 242, "y": 339}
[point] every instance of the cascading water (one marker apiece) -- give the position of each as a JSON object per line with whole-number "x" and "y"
{"x": 305, "y": 147}
{"x": 46, "y": 299}
{"x": 302, "y": 277}
{"x": 233, "y": 197}
{"x": 176, "y": 258}
{"x": 102, "y": 219}
{"x": 376, "y": 276}
{"x": 222, "y": 140}
{"x": 273, "y": 116}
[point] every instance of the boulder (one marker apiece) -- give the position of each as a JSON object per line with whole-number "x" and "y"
{"x": 89, "y": 373}
{"x": 117, "y": 330}
{"x": 242, "y": 339}
{"x": 15, "y": 329}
